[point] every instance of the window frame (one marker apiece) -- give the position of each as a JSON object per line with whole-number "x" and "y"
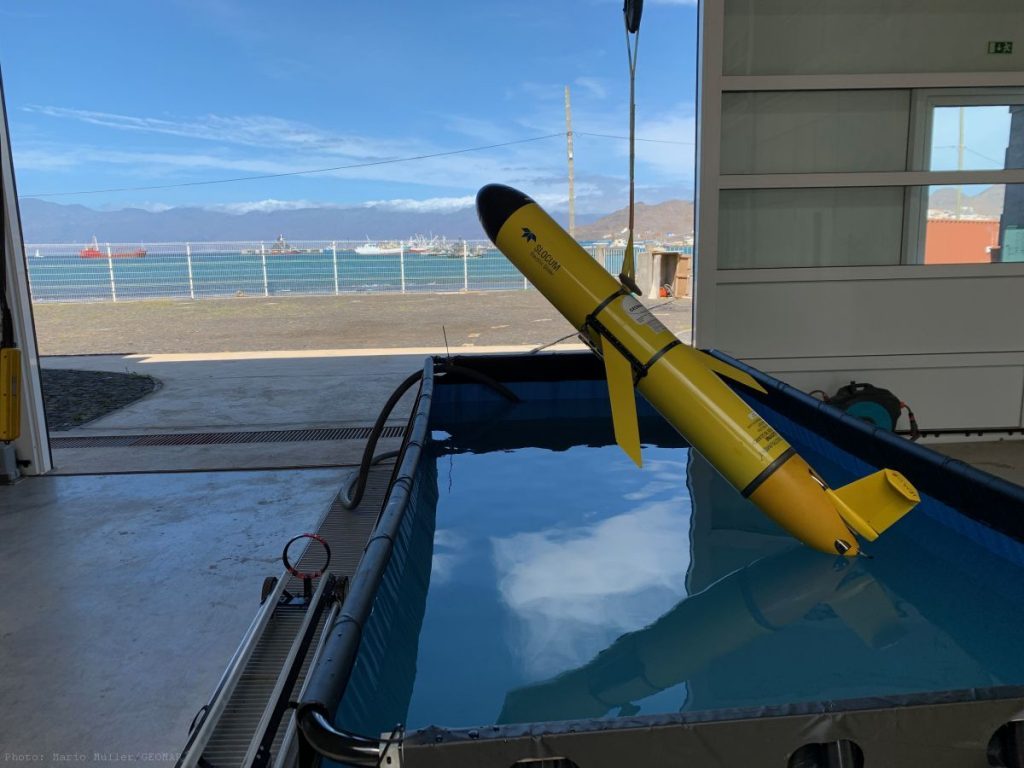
{"x": 915, "y": 179}
{"x": 919, "y": 149}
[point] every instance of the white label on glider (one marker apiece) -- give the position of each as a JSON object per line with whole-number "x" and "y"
{"x": 642, "y": 314}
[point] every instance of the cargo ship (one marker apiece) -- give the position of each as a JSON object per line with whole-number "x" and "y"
{"x": 94, "y": 251}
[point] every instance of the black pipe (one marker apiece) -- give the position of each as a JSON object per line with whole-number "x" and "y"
{"x": 334, "y": 744}
{"x": 350, "y": 496}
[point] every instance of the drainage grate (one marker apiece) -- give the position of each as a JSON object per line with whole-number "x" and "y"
{"x": 221, "y": 438}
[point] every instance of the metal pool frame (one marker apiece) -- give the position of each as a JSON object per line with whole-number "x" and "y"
{"x": 978, "y": 726}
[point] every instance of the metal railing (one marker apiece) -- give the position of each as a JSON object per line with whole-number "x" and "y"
{"x": 83, "y": 272}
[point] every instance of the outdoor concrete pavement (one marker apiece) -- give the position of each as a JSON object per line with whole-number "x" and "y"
{"x": 246, "y": 391}
{"x": 305, "y": 389}
{"x": 239, "y": 392}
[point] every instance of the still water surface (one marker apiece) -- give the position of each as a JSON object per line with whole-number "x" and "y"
{"x": 568, "y": 584}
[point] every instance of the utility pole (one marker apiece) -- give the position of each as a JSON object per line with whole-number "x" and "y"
{"x": 960, "y": 164}
{"x": 569, "y": 152}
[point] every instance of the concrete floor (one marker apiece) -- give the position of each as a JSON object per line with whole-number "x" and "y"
{"x": 1002, "y": 458}
{"x": 125, "y": 598}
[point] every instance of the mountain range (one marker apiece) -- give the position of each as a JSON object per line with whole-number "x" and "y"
{"x": 987, "y": 203}
{"x": 673, "y": 218}
{"x": 47, "y": 222}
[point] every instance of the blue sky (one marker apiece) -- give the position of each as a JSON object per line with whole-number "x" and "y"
{"x": 125, "y": 94}
{"x": 985, "y": 139}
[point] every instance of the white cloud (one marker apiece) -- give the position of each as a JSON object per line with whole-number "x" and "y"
{"x": 43, "y": 160}
{"x": 145, "y": 162}
{"x": 265, "y": 206}
{"x": 248, "y": 130}
{"x": 433, "y": 204}
{"x": 447, "y": 204}
{"x": 593, "y": 85}
{"x": 669, "y": 158}
{"x": 265, "y": 145}
{"x": 274, "y": 145}
{"x": 145, "y": 206}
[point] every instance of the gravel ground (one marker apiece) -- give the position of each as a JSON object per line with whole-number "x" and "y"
{"x": 313, "y": 322}
{"x": 72, "y": 398}
{"x": 293, "y": 323}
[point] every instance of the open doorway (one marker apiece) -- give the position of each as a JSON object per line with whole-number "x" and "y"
{"x": 222, "y": 275}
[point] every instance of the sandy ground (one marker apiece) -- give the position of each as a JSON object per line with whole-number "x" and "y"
{"x": 314, "y": 322}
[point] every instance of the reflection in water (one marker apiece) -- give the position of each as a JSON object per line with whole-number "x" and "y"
{"x": 559, "y": 590}
{"x": 449, "y": 545}
{"x": 759, "y": 599}
{"x": 613, "y": 575}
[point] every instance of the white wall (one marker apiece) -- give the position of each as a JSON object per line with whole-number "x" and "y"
{"x": 765, "y": 37}
{"x": 947, "y": 343}
{"x": 948, "y": 339}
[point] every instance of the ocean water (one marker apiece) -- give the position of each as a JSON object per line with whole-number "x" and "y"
{"x": 217, "y": 274}
{"x": 60, "y": 275}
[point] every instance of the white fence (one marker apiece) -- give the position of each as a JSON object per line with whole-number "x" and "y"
{"x": 134, "y": 271}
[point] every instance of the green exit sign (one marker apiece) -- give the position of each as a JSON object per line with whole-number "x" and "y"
{"x": 1000, "y": 46}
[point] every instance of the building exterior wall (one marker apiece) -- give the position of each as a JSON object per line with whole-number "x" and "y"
{"x": 871, "y": 289}
{"x": 962, "y": 241}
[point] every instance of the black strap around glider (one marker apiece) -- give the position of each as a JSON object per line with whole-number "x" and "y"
{"x": 640, "y": 369}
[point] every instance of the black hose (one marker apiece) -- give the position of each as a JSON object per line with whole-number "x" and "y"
{"x": 445, "y": 366}
{"x": 351, "y": 496}
{"x": 335, "y": 744}
{"x": 352, "y": 493}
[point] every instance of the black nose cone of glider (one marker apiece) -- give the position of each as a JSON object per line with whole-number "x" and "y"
{"x": 494, "y": 204}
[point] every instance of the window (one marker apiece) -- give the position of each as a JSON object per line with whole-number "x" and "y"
{"x": 972, "y": 138}
{"x": 871, "y": 177}
{"x": 979, "y": 131}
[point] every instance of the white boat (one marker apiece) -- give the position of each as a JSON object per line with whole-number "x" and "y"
{"x": 378, "y": 249}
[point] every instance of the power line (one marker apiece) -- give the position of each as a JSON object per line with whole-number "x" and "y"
{"x": 350, "y": 166}
{"x": 626, "y": 138}
{"x": 972, "y": 151}
{"x": 296, "y": 173}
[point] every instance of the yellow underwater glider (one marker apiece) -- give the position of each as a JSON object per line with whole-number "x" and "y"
{"x": 683, "y": 385}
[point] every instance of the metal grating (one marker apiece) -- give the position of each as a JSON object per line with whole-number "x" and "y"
{"x": 346, "y": 531}
{"x": 221, "y": 438}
